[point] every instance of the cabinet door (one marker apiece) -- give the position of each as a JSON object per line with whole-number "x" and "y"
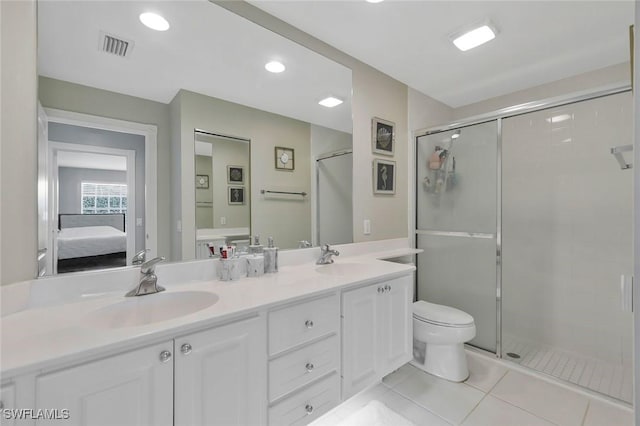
{"x": 360, "y": 336}
{"x": 220, "y": 376}
{"x": 396, "y": 342}
{"x": 134, "y": 388}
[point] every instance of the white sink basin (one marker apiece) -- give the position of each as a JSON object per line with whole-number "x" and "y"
{"x": 339, "y": 268}
{"x": 142, "y": 310}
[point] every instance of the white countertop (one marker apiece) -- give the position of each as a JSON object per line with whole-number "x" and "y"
{"x": 48, "y": 335}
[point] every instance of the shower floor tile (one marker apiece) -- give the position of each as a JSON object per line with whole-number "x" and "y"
{"x": 610, "y": 379}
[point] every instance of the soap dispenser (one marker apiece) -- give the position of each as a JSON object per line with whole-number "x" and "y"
{"x": 270, "y": 257}
{"x": 256, "y": 247}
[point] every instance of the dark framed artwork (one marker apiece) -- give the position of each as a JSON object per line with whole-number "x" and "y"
{"x": 236, "y": 195}
{"x": 383, "y": 136}
{"x": 202, "y": 181}
{"x": 384, "y": 177}
{"x": 235, "y": 174}
{"x": 285, "y": 159}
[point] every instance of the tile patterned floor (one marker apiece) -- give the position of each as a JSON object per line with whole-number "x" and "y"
{"x": 607, "y": 378}
{"x": 494, "y": 395}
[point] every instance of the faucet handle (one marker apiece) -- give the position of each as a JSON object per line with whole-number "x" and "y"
{"x": 149, "y": 266}
{"x": 140, "y": 257}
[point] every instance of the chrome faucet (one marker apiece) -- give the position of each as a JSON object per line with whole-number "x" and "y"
{"x": 148, "y": 280}
{"x": 304, "y": 244}
{"x": 140, "y": 257}
{"x": 325, "y": 255}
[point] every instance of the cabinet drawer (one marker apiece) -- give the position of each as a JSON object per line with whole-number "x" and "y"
{"x": 306, "y": 406}
{"x": 302, "y": 366}
{"x": 303, "y": 322}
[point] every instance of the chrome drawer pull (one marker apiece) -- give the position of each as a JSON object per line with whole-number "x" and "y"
{"x": 309, "y": 367}
{"x": 387, "y": 287}
{"x": 308, "y": 324}
{"x": 380, "y": 290}
{"x": 186, "y": 349}
{"x": 165, "y": 356}
{"x": 309, "y": 409}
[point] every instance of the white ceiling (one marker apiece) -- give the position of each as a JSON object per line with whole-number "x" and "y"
{"x": 207, "y": 50}
{"x": 89, "y": 160}
{"x": 538, "y": 41}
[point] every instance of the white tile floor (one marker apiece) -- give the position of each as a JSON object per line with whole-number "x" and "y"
{"x": 494, "y": 395}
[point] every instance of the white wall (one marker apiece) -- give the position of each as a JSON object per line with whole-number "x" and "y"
{"x": 19, "y": 148}
{"x": 605, "y": 76}
{"x": 289, "y": 221}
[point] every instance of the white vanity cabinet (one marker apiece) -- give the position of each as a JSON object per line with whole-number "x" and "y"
{"x": 376, "y": 332}
{"x": 304, "y": 360}
{"x": 220, "y": 376}
{"x": 133, "y": 388}
{"x": 214, "y": 377}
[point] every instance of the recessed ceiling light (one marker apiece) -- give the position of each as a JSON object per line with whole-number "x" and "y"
{"x": 375, "y": 1}
{"x": 154, "y": 21}
{"x": 558, "y": 118}
{"x": 275, "y": 67}
{"x": 330, "y": 102}
{"x": 455, "y": 134}
{"x": 474, "y": 37}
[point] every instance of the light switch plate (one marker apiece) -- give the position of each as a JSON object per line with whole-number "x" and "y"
{"x": 367, "y": 227}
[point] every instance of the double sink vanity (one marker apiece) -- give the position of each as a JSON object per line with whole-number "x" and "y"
{"x": 281, "y": 349}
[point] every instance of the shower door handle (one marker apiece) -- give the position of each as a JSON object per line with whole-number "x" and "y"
{"x": 626, "y": 293}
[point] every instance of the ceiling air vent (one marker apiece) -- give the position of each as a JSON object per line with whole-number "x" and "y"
{"x": 115, "y": 45}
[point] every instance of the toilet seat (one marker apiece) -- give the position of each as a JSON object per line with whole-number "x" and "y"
{"x": 440, "y": 315}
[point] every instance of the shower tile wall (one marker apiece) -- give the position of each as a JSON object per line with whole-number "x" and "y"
{"x": 567, "y": 236}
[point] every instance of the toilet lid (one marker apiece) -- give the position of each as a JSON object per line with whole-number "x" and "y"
{"x": 440, "y": 314}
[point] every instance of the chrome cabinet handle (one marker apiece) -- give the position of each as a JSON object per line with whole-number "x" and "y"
{"x": 308, "y": 408}
{"x": 380, "y": 290}
{"x": 308, "y": 324}
{"x": 309, "y": 367}
{"x": 387, "y": 287}
{"x": 165, "y": 356}
{"x": 186, "y": 349}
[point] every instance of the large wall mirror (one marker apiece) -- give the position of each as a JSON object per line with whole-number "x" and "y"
{"x": 162, "y": 140}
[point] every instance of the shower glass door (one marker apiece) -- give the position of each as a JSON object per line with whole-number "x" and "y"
{"x": 567, "y": 239}
{"x": 457, "y": 198}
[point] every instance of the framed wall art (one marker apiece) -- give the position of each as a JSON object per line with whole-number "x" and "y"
{"x": 202, "y": 181}
{"x": 383, "y": 136}
{"x": 236, "y": 195}
{"x": 235, "y": 175}
{"x": 285, "y": 158}
{"x": 384, "y": 176}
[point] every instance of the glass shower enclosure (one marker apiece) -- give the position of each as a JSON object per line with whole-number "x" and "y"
{"x": 525, "y": 219}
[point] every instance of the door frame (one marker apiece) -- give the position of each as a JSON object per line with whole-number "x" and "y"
{"x": 150, "y": 134}
{"x": 130, "y": 155}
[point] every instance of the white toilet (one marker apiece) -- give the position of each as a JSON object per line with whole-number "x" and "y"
{"x": 439, "y": 334}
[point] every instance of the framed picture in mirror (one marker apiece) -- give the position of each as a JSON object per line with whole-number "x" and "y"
{"x": 284, "y": 158}
{"x": 236, "y": 195}
{"x": 384, "y": 177}
{"x": 235, "y": 175}
{"x": 383, "y": 136}
{"x": 202, "y": 181}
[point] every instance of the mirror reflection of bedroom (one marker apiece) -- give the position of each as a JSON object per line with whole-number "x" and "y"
{"x": 94, "y": 177}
